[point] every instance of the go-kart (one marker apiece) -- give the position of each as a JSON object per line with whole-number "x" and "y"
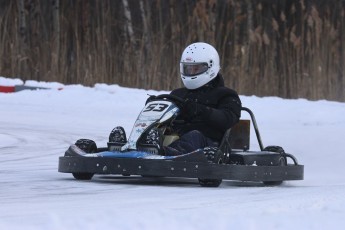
{"x": 231, "y": 160}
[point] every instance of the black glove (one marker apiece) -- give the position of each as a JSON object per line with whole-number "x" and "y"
{"x": 192, "y": 110}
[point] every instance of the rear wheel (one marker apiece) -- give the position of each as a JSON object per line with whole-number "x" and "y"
{"x": 214, "y": 156}
{"x": 88, "y": 146}
{"x": 282, "y": 162}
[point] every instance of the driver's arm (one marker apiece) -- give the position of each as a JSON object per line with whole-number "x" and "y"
{"x": 223, "y": 117}
{"x": 226, "y": 115}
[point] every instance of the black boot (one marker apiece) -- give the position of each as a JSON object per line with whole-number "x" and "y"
{"x": 118, "y": 135}
{"x": 153, "y": 139}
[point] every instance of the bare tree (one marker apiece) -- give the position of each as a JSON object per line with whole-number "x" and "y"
{"x": 128, "y": 24}
{"x": 22, "y": 37}
{"x": 56, "y": 36}
{"x": 287, "y": 48}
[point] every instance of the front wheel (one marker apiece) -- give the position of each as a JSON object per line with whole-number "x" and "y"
{"x": 83, "y": 176}
{"x": 88, "y": 146}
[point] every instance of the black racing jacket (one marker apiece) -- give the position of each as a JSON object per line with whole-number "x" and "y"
{"x": 223, "y": 109}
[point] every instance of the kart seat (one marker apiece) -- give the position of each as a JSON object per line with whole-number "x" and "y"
{"x": 237, "y": 137}
{"x": 168, "y": 139}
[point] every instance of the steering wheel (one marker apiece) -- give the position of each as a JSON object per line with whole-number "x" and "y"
{"x": 175, "y": 99}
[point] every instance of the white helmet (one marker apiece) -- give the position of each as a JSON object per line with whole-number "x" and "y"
{"x": 199, "y": 65}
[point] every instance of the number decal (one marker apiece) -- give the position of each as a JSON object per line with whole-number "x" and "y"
{"x": 150, "y": 107}
{"x": 160, "y": 108}
{"x": 156, "y": 107}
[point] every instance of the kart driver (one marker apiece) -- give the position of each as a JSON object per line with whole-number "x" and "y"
{"x": 209, "y": 108}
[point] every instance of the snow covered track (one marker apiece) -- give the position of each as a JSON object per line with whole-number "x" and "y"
{"x": 36, "y": 127}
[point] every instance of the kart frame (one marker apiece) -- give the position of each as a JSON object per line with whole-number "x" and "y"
{"x": 244, "y": 165}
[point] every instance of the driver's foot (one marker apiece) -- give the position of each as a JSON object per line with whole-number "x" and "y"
{"x": 154, "y": 138}
{"x": 118, "y": 135}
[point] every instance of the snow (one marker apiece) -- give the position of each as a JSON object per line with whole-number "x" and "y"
{"x": 37, "y": 126}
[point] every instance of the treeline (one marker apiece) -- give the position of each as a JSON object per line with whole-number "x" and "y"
{"x": 286, "y": 48}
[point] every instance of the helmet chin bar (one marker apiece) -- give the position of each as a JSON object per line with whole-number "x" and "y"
{"x": 198, "y": 81}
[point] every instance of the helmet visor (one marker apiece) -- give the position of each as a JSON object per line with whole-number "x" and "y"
{"x": 192, "y": 69}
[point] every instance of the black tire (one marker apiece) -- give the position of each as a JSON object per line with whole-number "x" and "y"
{"x": 210, "y": 182}
{"x": 88, "y": 146}
{"x": 282, "y": 162}
{"x": 274, "y": 148}
{"x": 83, "y": 176}
{"x": 214, "y": 156}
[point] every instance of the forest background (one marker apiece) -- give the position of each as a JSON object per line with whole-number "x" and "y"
{"x": 285, "y": 48}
